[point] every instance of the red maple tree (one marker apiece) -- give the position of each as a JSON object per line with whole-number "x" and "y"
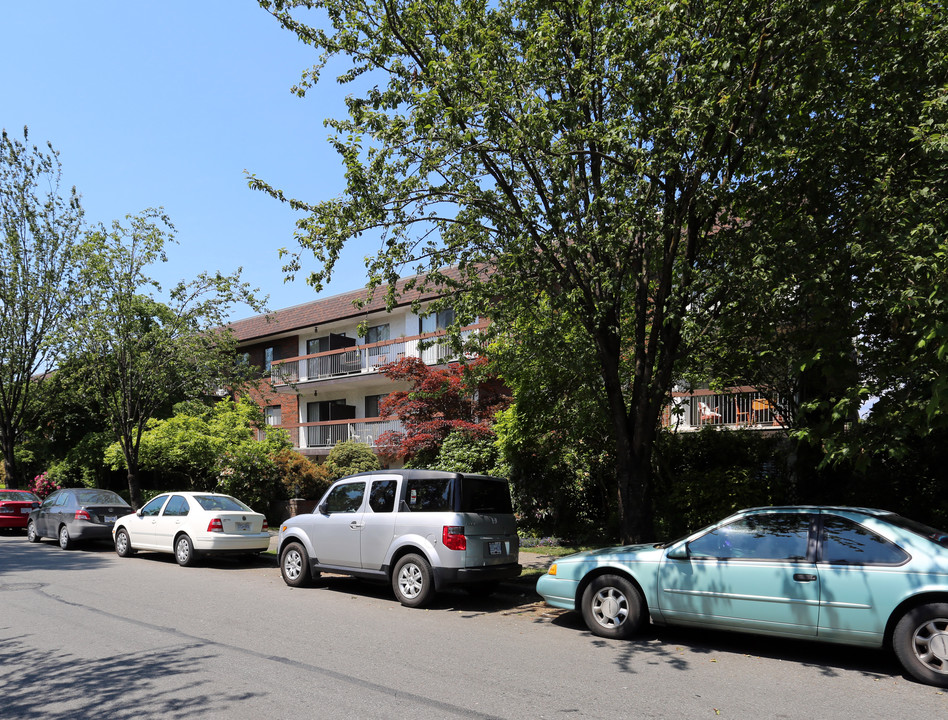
{"x": 441, "y": 400}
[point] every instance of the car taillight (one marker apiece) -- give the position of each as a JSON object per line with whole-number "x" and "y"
{"x": 83, "y": 514}
{"x": 215, "y": 525}
{"x": 453, "y": 537}
{"x": 265, "y": 526}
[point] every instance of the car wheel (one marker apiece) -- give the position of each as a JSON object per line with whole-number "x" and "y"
{"x": 612, "y": 607}
{"x": 184, "y": 551}
{"x": 920, "y": 642}
{"x": 294, "y": 566}
{"x": 123, "y": 545}
{"x": 31, "y": 533}
{"x": 65, "y": 542}
{"x": 413, "y": 581}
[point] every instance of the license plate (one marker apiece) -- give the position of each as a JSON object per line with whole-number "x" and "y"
{"x": 25, "y": 510}
{"x": 110, "y": 518}
{"x": 243, "y": 527}
{"x": 495, "y": 548}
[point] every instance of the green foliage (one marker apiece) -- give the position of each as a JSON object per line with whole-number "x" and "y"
{"x": 461, "y": 452}
{"x": 301, "y": 477}
{"x": 704, "y": 476}
{"x": 83, "y": 465}
{"x": 249, "y": 472}
{"x": 349, "y": 458}
{"x": 39, "y": 284}
{"x": 139, "y": 355}
{"x": 646, "y": 173}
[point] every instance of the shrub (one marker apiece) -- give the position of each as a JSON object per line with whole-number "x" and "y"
{"x": 349, "y": 458}
{"x": 301, "y": 477}
{"x": 42, "y": 486}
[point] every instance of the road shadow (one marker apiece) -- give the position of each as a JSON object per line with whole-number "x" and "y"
{"x": 17, "y": 554}
{"x": 58, "y": 685}
{"x": 680, "y": 648}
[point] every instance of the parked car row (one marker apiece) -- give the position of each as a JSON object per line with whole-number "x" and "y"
{"x": 187, "y": 524}
{"x": 846, "y": 575}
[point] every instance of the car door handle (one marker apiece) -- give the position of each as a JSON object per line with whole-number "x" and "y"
{"x": 355, "y": 525}
{"x": 804, "y": 577}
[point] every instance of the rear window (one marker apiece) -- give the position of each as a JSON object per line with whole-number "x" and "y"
{"x": 18, "y": 496}
{"x": 99, "y": 497}
{"x": 221, "y": 502}
{"x": 430, "y": 495}
{"x": 480, "y": 495}
{"x": 936, "y": 536}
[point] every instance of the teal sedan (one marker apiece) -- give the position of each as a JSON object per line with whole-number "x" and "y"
{"x": 837, "y": 574}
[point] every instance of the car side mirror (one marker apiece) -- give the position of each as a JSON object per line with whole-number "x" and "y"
{"x": 139, "y": 513}
{"x": 323, "y": 510}
{"x": 678, "y": 552}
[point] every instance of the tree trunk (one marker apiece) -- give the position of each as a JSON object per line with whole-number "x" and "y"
{"x": 11, "y": 472}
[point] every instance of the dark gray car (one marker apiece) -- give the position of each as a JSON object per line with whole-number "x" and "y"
{"x": 420, "y": 530}
{"x": 76, "y": 514}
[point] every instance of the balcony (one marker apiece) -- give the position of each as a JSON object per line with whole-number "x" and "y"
{"x": 738, "y": 409}
{"x": 432, "y": 349}
{"x": 325, "y": 435}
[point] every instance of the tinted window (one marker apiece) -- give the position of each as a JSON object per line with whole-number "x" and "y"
{"x": 18, "y": 496}
{"x": 938, "y": 536}
{"x": 221, "y": 502}
{"x": 177, "y": 506}
{"x": 756, "y": 537}
{"x": 99, "y": 497}
{"x": 848, "y": 543}
{"x": 345, "y": 498}
{"x": 52, "y": 499}
{"x": 431, "y": 495}
{"x": 153, "y": 506}
{"x": 481, "y": 495}
{"x": 382, "y": 496}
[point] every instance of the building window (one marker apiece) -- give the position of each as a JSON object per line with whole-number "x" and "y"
{"x": 273, "y": 415}
{"x": 376, "y": 334}
{"x": 436, "y": 321}
{"x": 268, "y": 357}
{"x": 372, "y": 403}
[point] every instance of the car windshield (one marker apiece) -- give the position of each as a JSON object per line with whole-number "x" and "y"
{"x": 221, "y": 502}
{"x": 930, "y": 533}
{"x": 18, "y": 495}
{"x": 99, "y": 497}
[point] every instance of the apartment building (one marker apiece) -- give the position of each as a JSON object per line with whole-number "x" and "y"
{"x": 321, "y": 379}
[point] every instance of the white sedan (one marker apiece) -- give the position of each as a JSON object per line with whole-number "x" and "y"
{"x": 190, "y": 524}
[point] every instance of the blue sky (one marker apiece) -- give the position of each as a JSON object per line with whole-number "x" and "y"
{"x": 166, "y": 103}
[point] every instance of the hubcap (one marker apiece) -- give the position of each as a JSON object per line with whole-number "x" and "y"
{"x": 122, "y": 542}
{"x": 183, "y": 550}
{"x": 292, "y": 565}
{"x": 610, "y": 607}
{"x": 931, "y": 644}
{"x": 409, "y": 581}
{"x": 64, "y": 537}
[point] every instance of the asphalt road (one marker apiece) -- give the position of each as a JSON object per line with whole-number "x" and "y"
{"x": 86, "y": 634}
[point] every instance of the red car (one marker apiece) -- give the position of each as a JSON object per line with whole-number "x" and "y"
{"x": 15, "y": 507}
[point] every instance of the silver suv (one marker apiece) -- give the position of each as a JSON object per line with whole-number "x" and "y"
{"x": 420, "y": 530}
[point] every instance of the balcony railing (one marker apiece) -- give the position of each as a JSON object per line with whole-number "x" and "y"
{"x": 729, "y": 409}
{"x": 431, "y": 349}
{"x": 330, "y": 434}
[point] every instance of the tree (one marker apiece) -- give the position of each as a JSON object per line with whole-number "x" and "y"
{"x": 141, "y": 355}
{"x": 441, "y": 401}
{"x": 597, "y": 157}
{"x": 40, "y": 227}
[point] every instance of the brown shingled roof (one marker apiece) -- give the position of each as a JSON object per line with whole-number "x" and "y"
{"x": 331, "y": 309}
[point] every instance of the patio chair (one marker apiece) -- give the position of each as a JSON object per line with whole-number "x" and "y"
{"x": 706, "y": 414}
{"x": 738, "y": 413}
